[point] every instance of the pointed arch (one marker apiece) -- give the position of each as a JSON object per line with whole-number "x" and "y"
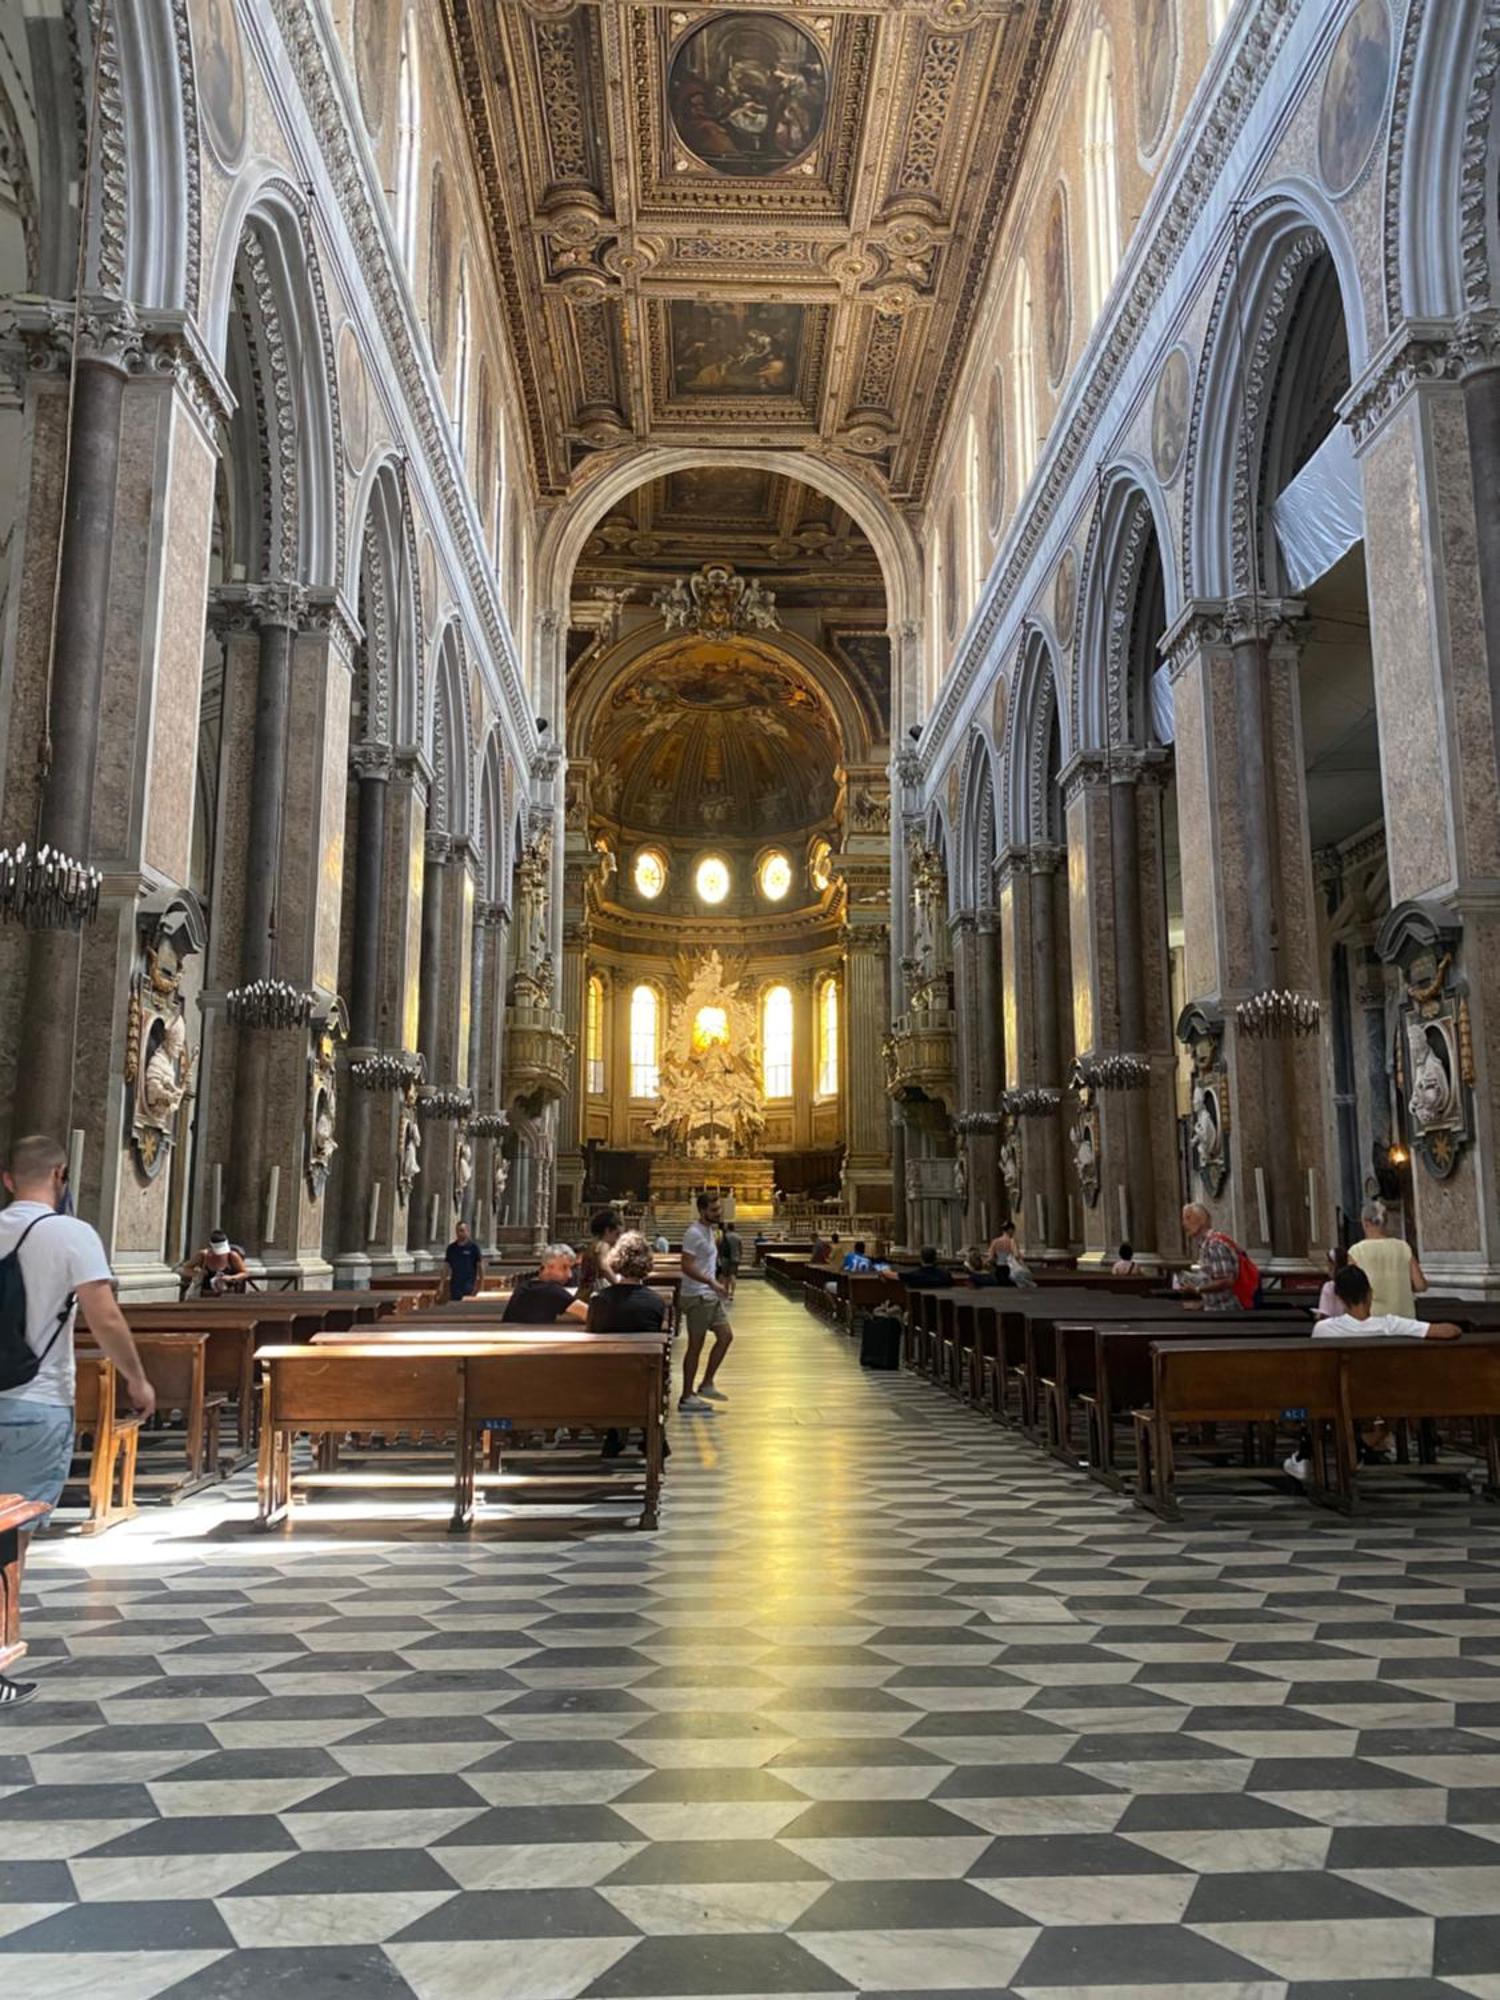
{"x": 452, "y": 737}
{"x": 1128, "y": 546}
{"x": 975, "y": 881}
{"x": 1036, "y": 743}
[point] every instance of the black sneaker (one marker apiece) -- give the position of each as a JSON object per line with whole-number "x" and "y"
{"x": 13, "y": 1693}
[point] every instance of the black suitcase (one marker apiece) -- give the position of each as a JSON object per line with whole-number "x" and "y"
{"x": 880, "y": 1341}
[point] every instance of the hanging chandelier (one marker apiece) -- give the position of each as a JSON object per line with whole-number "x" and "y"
{"x": 268, "y": 1003}
{"x": 1279, "y": 1016}
{"x": 443, "y": 1104}
{"x": 47, "y": 890}
{"x": 1033, "y": 1102}
{"x": 1111, "y": 1073}
{"x": 386, "y": 1072}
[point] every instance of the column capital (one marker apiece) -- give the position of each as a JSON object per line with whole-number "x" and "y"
{"x": 327, "y": 613}
{"x": 1420, "y": 353}
{"x": 1084, "y": 770}
{"x": 871, "y": 938}
{"x": 411, "y": 766}
{"x": 1045, "y": 857}
{"x": 258, "y": 607}
{"x": 1218, "y": 624}
{"x": 437, "y": 848}
{"x": 371, "y": 760}
{"x": 492, "y": 916}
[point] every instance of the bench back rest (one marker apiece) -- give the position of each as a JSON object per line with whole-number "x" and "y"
{"x": 1239, "y": 1381}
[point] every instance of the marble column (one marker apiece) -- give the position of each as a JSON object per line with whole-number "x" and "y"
{"x": 433, "y": 1180}
{"x": 865, "y": 1017}
{"x": 124, "y": 741}
{"x": 371, "y": 764}
{"x": 1249, "y": 904}
{"x": 49, "y": 1020}
{"x": 577, "y": 938}
{"x": 987, "y": 1202}
{"x": 1045, "y": 1222}
{"x": 804, "y": 1056}
{"x": 490, "y": 950}
{"x": 1424, "y": 422}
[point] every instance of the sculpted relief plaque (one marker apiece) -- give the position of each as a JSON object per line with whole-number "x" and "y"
{"x": 220, "y": 59}
{"x": 1169, "y": 416}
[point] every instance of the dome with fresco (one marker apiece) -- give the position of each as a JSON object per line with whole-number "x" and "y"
{"x": 716, "y": 741}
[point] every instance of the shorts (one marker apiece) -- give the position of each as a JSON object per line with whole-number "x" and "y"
{"x": 36, "y": 1448}
{"x": 701, "y": 1316}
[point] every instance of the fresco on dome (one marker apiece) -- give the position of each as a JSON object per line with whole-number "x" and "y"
{"x": 748, "y": 94}
{"x": 1359, "y": 71}
{"x": 733, "y": 348}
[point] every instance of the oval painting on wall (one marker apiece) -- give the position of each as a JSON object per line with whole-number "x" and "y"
{"x": 748, "y": 94}
{"x": 1359, "y": 73}
{"x": 1169, "y": 416}
{"x": 219, "y": 65}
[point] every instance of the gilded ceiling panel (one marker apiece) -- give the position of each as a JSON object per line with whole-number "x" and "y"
{"x": 764, "y": 220}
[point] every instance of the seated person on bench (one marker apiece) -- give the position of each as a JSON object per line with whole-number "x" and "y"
{"x": 549, "y": 1296}
{"x": 928, "y": 1273}
{"x": 626, "y": 1303}
{"x": 980, "y": 1272}
{"x": 1352, "y": 1290}
{"x": 859, "y": 1260}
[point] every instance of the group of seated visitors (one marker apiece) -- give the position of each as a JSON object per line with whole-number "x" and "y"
{"x": 551, "y": 1294}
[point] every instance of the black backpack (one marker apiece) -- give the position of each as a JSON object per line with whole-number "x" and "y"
{"x": 19, "y": 1360}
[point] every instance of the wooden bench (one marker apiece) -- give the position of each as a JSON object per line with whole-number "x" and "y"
{"x": 106, "y": 1469}
{"x": 16, "y": 1516}
{"x": 176, "y": 1365}
{"x": 1254, "y": 1384}
{"x": 458, "y": 1388}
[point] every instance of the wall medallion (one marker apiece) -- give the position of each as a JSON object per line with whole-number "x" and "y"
{"x": 219, "y": 63}
{"x": 748, "y": 94}
{"x": 1354, "y": 92}
{"x": 1169, "y": 416}
{"x": 158, "y": 1061}
{"x": 374, "y": 30}
{"x": 1065, "y": 598}
{"x": 354, "y": 398}
{"x": 1435, "y": 1051}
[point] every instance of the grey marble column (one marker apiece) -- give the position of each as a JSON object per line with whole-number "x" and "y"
{"x": 44, "y": 1074}
{"x": 1044, "y": 1139}
{"x": 372, "y": 764}
{"x": 276, "y": 611}
{"x": 1130, "y": 988}
{"x": 438, "y": 856}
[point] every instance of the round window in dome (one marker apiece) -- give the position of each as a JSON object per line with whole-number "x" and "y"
{"x": 650, "y": 873}
{"x": 775, "y": 877}
{"x": 712, "y": 879}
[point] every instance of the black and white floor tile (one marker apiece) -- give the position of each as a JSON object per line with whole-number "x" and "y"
{"x": 890, "y": 1706}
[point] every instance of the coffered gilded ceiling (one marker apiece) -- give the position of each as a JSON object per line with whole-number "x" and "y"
{"x": 764, "y": 221}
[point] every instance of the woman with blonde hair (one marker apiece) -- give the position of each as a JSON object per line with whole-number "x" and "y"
{"x": 1389, "y": 1263}
{"x": 627, "y": 1304}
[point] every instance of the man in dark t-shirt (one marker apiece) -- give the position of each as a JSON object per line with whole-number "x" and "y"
{"x": 465, "y": 1261}
{"x": 929, "y": 1273}
{"x": 627, "y": 1304}
{"x": 548, "y": 1297}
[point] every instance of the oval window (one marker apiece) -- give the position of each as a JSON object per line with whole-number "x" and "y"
{"x": 712, "y": 879}
{"x": 650, "y": 873}
{"x": 775, "y": 877}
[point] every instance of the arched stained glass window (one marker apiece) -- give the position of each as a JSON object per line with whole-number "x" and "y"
{"x": 1218, "y": 17}
{"x": 645, "y": 1042}
{"x": 828, "y": 1038}
{"x": 1023, "y": 357}
{"x": 1103, "y": 206}
{"x": 408, "y": 142}
{"x": 464, "y": 348}
{"x": 593, "y": 1036}
{"x": 776, "y": 1041}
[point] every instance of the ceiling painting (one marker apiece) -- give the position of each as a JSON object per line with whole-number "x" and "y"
{"x": 771, "y": 222}
{"x": 747, "y": 94}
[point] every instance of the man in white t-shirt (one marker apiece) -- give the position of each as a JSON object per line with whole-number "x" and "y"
{"x": 63, "y": 1266}
{"x": 1353, "y": 1291}
{"x": 703, "y": 1311}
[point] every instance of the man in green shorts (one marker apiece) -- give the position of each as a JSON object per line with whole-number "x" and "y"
{"x": 703, "y": 1311}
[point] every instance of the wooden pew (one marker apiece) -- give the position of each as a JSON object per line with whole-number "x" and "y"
{"x": 16, "y": 1516}
{"x": 1424, "y": 1380}
{"x": 108, "y": 1465}
{"x": 1250, "y": 1383}
{"x": 176, "y": 1364}
{"x": 391, "y": 1388}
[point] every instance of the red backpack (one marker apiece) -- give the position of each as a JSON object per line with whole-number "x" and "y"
{"x": 1246, "y": 1278}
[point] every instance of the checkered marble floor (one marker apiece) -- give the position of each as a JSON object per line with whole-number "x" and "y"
{"x": 889, "y": 1706}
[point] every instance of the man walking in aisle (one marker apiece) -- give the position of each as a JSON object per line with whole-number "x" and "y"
{"x": 62, "y": 1266}
{"x": 703, "y": 1311}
